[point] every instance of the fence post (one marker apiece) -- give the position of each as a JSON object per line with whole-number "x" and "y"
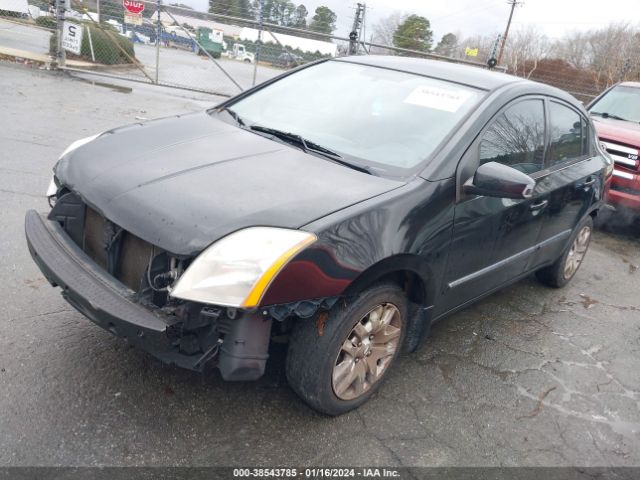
{"x": 159, "y": 33}
{"x": 259, "y": 42}
{"x": 61, "y": 57}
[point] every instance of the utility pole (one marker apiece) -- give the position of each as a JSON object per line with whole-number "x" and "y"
{"x": 513, "y": 4}
{"x": 158, "y": 38}
{"x": 356, "y": 30}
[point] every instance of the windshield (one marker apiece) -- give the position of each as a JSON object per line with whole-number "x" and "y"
{"x": 623, "y": 102}
{"x": 370, "y": 116}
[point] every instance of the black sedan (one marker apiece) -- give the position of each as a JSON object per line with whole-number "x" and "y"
{"x": 348, "y": 205}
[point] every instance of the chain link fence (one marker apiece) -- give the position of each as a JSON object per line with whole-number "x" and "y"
{"x": 151, "y": 42}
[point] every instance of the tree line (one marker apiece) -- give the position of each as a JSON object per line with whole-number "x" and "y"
{"x": 283, "y": 13}
{"x": 581, "y": 62}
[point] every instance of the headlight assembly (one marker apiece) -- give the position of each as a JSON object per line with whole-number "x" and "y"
{"x": 236, "y": 270}
{"x": 52, "y": 189}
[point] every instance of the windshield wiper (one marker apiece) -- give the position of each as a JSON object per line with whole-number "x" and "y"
{"x": 235, "y": 116}
{"x": 609, "y": 115}
{"x": 282, "y": 135}
{"x": 309, "y": 146}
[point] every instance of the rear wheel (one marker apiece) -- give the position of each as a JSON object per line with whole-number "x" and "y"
{"x": 563, "y": 270}
{"x": 337, "y": 364}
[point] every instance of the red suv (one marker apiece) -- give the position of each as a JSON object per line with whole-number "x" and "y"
{"x": 616, "y": 116}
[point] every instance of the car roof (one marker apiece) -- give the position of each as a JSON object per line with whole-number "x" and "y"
{"x": 630, "y": 84}
{"x": 466, "y": 74}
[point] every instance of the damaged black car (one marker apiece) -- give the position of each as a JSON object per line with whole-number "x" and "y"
{"x": 348, "y": 204}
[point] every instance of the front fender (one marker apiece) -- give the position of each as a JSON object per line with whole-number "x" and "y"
{"x": 407, "y": 229}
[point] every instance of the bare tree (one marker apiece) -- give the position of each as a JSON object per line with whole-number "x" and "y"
{"x": 573, "y": 48}
{"x": 385, "y": 28}
{"x": 609, "y": 49}
{"x": 525, "y": 47}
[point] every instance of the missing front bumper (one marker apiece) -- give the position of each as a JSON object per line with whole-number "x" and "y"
{"x": 241, "y": 353}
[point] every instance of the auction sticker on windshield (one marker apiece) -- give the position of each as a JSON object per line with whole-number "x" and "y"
{"x": 448, "y": 100}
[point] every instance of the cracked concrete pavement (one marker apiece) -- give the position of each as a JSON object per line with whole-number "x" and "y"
{"x": 529, "y": 376}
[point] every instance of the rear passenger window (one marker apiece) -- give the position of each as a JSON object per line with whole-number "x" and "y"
{"x": 516, "y": 137}
{"x": 567, "y": 134}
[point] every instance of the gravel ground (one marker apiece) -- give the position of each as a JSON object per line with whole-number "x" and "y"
{"x": 529, "y": 376}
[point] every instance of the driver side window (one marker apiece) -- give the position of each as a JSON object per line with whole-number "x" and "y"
{"x": 516, "y": 137}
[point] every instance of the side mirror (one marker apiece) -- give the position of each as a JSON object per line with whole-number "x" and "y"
{"x": 497, "y": 180}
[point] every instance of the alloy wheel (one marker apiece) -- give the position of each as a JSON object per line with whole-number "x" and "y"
{"x": 577, "y": 252}
{"x": 367, "y": 351}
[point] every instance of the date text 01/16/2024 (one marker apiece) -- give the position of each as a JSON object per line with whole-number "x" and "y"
{"x": 315, "y": 473}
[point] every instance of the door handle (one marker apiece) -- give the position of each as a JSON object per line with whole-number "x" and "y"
{"x": 590, "y": 181}
{"x": 538, "y": 206}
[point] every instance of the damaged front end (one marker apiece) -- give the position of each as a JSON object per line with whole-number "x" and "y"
{"x": 122, "y": 282}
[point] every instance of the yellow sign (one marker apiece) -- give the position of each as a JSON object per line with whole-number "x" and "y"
{"x": 471, "y": 52}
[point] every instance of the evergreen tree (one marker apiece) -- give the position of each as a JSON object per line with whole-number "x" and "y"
{"x": 300, "y": 17}
{"x": 324, "y": 20}
{"x": 414, "y": 33}
{"x": 231, "y": 8}
{"x": 447, "y": 45}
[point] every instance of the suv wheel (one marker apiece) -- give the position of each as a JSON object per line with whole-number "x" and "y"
{"x": 563, "y": 270}
{"x": 338, "y": 365}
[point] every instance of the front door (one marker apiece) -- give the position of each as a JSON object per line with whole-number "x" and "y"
{"x": 494, "y": 238}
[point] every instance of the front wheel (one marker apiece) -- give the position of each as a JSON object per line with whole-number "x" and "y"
{"x": 337, "y": 362}
{"x": 561, "y": 272}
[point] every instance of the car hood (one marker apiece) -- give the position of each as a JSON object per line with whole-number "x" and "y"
{"x": 618, "y": 130}
{"x": 183, "y": 182}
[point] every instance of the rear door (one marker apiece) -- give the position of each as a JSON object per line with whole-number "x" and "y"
{"x": 494, "y": 238}
{"x": 572, "y": 180}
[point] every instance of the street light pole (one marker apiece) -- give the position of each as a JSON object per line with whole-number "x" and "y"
{"x": 513, "y": 4}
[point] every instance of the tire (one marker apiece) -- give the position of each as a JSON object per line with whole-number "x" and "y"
{"x": 558, "y": 274}
{"x": 317, "y": 350}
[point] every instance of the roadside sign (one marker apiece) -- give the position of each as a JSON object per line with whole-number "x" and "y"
{"x": 471, "y": 52}
{"x": 72, "y": 37}
{"x": 133, "y": 6}
{"x": 133, "y": 18}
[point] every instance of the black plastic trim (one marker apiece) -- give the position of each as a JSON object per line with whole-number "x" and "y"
{"x": 101, "y": 298}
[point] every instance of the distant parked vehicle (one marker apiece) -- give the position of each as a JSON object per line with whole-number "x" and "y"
{"x": 210, "y": 41}
{"x": 288, "y": 60}
{"x": 239, "y": 52}
{"x": 176, "y": 37}
{"x": 616, "y": 116}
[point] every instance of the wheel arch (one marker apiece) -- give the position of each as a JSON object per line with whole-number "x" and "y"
{"x": 414, "y": 276}
{"x": 407, "y": 271}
